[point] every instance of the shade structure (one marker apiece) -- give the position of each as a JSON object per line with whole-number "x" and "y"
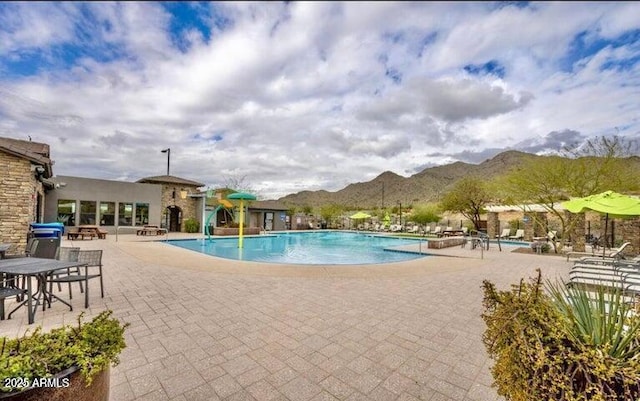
{"x": 609, "y": 203}
{"x": 241, "y": 196}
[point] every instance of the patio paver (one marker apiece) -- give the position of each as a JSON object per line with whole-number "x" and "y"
{"x": 205, "y": 328}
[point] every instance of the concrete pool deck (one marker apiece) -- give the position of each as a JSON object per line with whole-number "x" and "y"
{"x": 205, "y": 328}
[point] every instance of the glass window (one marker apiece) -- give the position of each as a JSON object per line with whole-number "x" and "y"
{"x": 88, "y": 212}
{"x": 125, "y": 214}
{"x": 67, "y": 212}
{"x": 107, "y": 213}
{"x": 142, "y": 214}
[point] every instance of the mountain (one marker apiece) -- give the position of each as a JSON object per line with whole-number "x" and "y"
{"x": 388, "y": 188}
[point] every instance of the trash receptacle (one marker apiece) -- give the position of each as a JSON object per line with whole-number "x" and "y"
{"x": 47, "y": 230}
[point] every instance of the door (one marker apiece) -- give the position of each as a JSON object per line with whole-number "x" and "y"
{"x": 175, "y": 218}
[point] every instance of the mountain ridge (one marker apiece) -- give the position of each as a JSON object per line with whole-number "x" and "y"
{"x": 389, "y": 188}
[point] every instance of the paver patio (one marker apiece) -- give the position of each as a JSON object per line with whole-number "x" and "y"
{"x": 204, "y": 328}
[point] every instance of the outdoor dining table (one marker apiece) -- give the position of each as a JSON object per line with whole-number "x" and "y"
{"x": 40, "y": 268}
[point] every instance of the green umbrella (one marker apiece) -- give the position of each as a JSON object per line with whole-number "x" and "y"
{"x": 360, "y": 215}
{"x": 242, "y": 197}
{"x": 610, "y": 203}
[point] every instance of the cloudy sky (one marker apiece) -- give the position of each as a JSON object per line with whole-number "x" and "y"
{"x": 285, "y": 97}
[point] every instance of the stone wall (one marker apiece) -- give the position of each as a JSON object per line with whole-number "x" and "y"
{"x": 171, "y": 196}
{"x": 18, "y": 197}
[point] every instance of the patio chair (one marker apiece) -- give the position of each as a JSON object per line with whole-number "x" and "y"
{"x": 437, "y": 231}
{"x": 506, "y": 232}
{"x": 68, "y": 254}
{"x": 93, "y": 259}
{"x": 9, "y": 288}
{"x": 518, "y": 235}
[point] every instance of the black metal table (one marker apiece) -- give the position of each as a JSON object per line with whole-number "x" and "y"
{"x": 39, "y": 268}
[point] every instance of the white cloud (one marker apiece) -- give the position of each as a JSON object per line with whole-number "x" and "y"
{"x": 310, "y": 95}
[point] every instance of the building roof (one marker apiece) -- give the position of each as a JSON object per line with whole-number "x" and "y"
{"x": 267, "y": 205}
{"x": 35, "y": 152}
{"x": 169, "y": 179}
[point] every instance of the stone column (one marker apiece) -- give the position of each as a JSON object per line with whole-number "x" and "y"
{"x": 540, "y": 224}
{"x": 493, "y": 224}
{"x": 628, "y": 230}
{"x": 577, "y": 233}
{"x": 529, "y": 226}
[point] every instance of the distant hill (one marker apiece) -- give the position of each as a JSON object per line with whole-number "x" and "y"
{"x": 425, "y": 186}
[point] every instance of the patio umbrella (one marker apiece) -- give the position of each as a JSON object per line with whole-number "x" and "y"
{"x": 609, "y": 203}
{"x": 360, "y": 216}
{"x": 242, "y": 197}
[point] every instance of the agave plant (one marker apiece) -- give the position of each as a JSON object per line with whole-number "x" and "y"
{"x": 599, "y": 318}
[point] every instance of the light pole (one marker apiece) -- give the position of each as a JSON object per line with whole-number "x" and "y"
{"x": 168, "y": 152}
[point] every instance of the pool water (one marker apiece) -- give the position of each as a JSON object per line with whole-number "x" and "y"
{"x": 326, "y": 248}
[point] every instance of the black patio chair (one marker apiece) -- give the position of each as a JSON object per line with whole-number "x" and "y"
{"x": 93, "y": 260}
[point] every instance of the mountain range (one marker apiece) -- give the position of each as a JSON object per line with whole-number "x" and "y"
{"x": 388, "y": 189}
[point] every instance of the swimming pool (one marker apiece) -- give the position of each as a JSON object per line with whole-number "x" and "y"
{"x": 315, "y": 248}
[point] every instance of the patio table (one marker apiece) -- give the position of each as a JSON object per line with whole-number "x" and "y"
{"x": 40, "y": 268}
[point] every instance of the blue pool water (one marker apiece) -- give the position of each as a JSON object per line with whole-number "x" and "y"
{"x": 325, "y": 247}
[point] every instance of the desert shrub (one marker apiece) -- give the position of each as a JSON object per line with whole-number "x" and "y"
{"x": 542, "y": 352}
{"x": 191, "y": 225}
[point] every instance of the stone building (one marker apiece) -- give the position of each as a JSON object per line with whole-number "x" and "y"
{"x": 25, "y": 171}
{"x": 180, "y": 200}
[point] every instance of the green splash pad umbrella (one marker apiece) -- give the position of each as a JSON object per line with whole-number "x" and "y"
{"x": 241, "y": 196}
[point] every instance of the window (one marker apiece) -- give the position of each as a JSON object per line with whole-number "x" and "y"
{"x": 107, "y": 213}
{"x": 125, "y": 214}
{"x": 142, "y": 214}
{"x": 88, "y": 212}
{"x": 67, "y": 212}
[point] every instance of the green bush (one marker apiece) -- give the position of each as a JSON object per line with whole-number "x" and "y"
{"x": 91, "y": 346}
{"x": 543, "y": 350}
{"x": 191, "y": 225}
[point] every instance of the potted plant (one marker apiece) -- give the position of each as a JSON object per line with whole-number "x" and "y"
{"x": 67, "y": 363}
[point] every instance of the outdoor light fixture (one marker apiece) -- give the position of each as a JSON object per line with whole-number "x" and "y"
{"x": 168, "y": 152}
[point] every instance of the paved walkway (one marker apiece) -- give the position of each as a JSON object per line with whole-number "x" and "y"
{"x": 204, "y": 328}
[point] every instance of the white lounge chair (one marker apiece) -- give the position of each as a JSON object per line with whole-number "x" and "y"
{"x": 437, "y": 231}
{"x": 506, "y": 232}
{"x": 518, "y": 235}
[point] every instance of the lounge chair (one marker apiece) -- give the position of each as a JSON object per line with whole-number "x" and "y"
{"x": 426, "y": 230}
{"x": 437, "y": 231}
{"x": 598, "y": 258}
{"x": 518, "y": 235}
{"x": 505, "y": 233}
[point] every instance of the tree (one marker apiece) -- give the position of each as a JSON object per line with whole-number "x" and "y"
{"x": 330, "y": 212}
{"x": 469, "y": 196}
{"x": 425, "y": 214}
{"x": 580, "y": 170}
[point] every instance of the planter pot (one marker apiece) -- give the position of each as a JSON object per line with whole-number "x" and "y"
{"x": 236, "y": 231}
{"x": 67, "y": 385}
